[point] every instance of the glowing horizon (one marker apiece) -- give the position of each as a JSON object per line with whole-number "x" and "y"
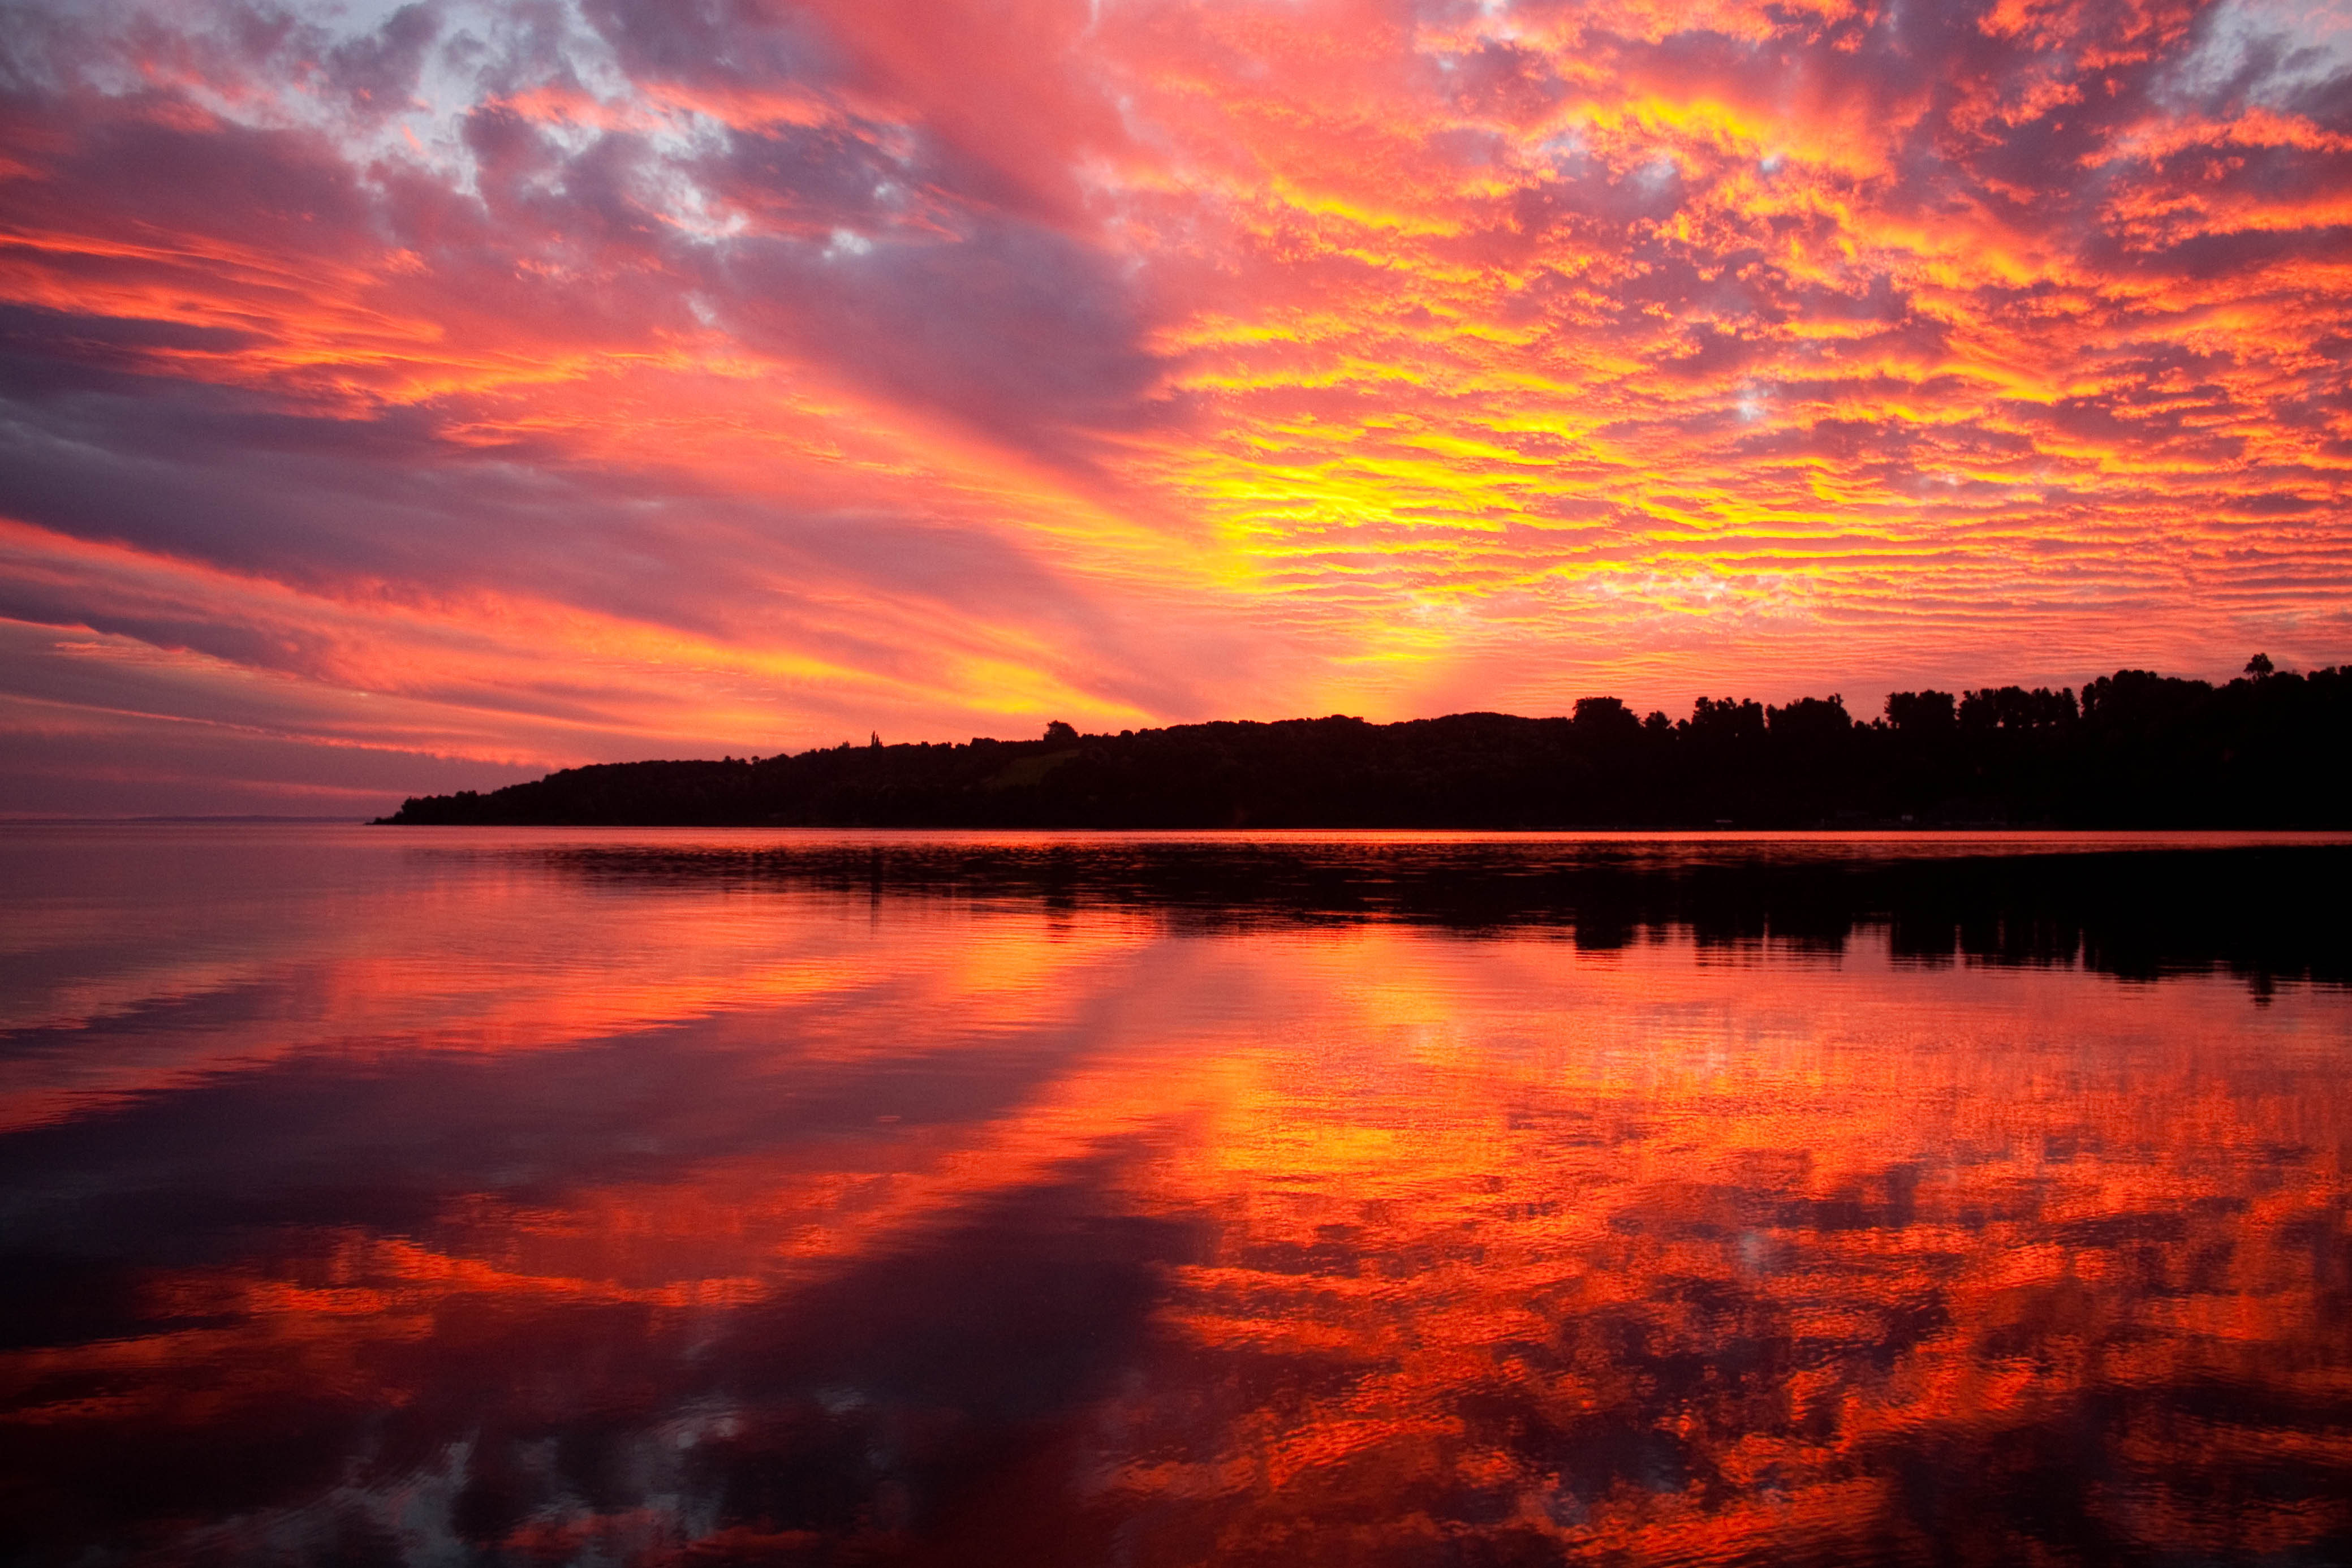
{"x": 400, "y": 400}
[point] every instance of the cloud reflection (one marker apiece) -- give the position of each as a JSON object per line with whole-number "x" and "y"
{"x": 1044, "y": 1230}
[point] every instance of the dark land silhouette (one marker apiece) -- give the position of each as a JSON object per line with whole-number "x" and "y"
{"x": 2134, "y": 749}
{"x": 2267, "y": 913}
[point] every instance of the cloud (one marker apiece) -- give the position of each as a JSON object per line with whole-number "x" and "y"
{"x": 931, "y": 367}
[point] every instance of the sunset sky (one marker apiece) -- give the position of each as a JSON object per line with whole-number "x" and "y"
{"x": 401, "y": 399}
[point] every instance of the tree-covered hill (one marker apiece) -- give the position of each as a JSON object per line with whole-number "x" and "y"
{"x": 2134, "y": 749}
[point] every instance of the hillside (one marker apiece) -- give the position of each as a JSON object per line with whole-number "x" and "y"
{"x": 2134, "y": 750}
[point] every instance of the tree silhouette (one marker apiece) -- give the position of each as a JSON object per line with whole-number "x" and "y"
{"x": 2136, "y": 749}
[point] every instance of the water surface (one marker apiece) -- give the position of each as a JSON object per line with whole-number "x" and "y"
{"x": 421, "y": 1197}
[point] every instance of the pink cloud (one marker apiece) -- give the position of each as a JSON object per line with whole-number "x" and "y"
{"x": 939, "y": 368}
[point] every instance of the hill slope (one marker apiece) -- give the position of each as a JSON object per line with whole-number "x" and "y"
{"x": 2136, "y": 750}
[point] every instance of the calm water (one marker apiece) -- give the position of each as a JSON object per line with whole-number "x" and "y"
{"x": 380, "y": 1196}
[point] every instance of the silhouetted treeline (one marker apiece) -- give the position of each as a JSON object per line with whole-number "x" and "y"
{"x": 2267, "y": 913}
{"x": 2135, "y": 749}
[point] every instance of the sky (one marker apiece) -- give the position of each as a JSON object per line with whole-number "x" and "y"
{"x": 397, "y": 399}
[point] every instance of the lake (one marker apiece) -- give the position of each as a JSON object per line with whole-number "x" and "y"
{"x": 381, "y": 1195}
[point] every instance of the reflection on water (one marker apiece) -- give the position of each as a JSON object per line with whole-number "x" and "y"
{"x": 413, "y": 1197}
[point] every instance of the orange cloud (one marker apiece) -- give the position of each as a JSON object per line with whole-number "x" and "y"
{"x": 934, "y": 371}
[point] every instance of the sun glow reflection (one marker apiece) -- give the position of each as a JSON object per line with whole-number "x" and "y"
{"x": 1312, "y": 1237}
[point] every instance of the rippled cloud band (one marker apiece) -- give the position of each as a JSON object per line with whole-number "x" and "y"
{"x": 396, "y": 399}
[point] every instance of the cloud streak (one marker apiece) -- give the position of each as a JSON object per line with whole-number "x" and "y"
{"x": 584, "y": 381}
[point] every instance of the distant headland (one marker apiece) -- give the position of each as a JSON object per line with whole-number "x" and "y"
{"x": 2271, "y": 749}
